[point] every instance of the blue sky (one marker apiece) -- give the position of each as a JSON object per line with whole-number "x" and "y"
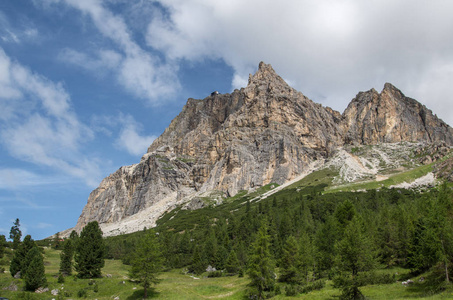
{"x": 87, "y": 85}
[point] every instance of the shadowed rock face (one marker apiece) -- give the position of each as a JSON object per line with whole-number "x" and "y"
{"x": 266, "y": 132}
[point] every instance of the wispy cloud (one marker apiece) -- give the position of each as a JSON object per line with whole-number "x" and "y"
{"x": 18, "y": 179}
{"x": 39, "y": 125}
{"x": 44, "y": 225}
{"x": 9, "y": 34}
{"x": 130, "y": 138}
{"x": 141, "y": 73}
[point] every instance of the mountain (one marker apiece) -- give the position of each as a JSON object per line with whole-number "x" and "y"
{"x": 264, "y": 133}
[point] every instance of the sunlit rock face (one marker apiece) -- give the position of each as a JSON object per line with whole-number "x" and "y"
{"x": 266, "y": 132}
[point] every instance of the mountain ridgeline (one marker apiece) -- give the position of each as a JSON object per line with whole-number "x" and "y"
{"x": 264, "y": 133}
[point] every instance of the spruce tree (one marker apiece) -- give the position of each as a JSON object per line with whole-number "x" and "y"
{"x": 306, "y": 252}
{"x": 354, "y": 255}
{"x": 15, "y": 234}
{"x": 289, "y": 263}
{"x": 35, "y": 272}
{"x": 261, "y": 268}
{"x": 2, "y": 245}
{"x": 89, "y": 252}
{"x": 232, "y": 263}
{"x": 147, "y": 261}
{"x": 18, "y": 263}
{"x": 198, "y": 265}
{"x": 66, "y": 257}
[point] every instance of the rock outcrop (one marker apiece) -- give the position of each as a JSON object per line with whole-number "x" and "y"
{"x": 391, "y": 117}
{"x": 266, "y": 132}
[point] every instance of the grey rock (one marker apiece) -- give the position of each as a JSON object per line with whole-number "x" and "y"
{"x": 265, "y": 133}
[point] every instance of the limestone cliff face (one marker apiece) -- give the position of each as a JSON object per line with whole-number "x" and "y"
{"x": 391, "y": 117}
{"x": 267, "y": 132}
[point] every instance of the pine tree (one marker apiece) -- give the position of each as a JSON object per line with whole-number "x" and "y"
{"x": 305, "y": 255}
{"x": 89, "y": 252}
{"x": 147, "y": 261}
{"x": 261, "y": 265}
{"x": 354, "y": 254}
{"x": 289, "y": 263}
{"x": 15, "y": 234}
{"x": 198, "y": 265}
{"x": 232, "y": 263}
{"x": 2, "y": 245}
{"x": 66, "y": 257}
{"x": 35, "y": 272}
{"x": 18, "y": 263}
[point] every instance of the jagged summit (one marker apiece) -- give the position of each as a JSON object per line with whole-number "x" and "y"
{"x": 265, "y": 75}
{"x": 390, "y": 117}
{"x": 264, "y": 133}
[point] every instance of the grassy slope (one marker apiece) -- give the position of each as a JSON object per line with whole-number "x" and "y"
{"x": 177, "y": 285}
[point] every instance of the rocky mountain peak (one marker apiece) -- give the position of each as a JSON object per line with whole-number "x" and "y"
{"x": 390, "y": 117}
{"x": 264, "y": 133}
{"x": 264, "y": 76}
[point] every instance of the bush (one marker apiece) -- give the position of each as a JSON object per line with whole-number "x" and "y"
{"x": 315, "y": 286}
{"x": 215, "y": 274}
{"x": 82, "y": 293}
{"x": 291, "y": 290}
{"x": 241, "y": 272}
{"x": 374, "y": 278}
{"x": 60, "y": 278}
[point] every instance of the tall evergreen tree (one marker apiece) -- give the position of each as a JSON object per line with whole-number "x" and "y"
{"x": 147, "y": 261}
{"x": 199, "y": 264}
{"x": 2, "y": 245}
{"x": 89, "y": 252}
{"x": 261, "y": 267}
{"x": 232, "y": 263}
{"x": 66, "y": 257}
{"x": 18, "y": 263}
{"x": 354, "y": 254}
{"x": 15, "y": 234}
{"x": 35, "y": 272}
{"x": 306, "y": 252}
{"x": 289, "y": 263}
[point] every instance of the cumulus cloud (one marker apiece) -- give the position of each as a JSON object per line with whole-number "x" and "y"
{"x": 39, "y": 125}
{"x": 138, "y": 71}
{"x": 330, "y": 50}
{"x": 130, "y": 138}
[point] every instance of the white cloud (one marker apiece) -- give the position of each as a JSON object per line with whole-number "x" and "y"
{"x": 138, "y": 71}
{"x": 17, "y": 179}
{"x": 105, "y": 60}
{"x": 44, "y": 225}
{"x": 130, "y": 139}
{"x": 40, "y": 126}
{"x": 330, "y": 50}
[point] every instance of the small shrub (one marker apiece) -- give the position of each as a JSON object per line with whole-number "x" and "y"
{"x": 2, "y": 270}
{"x": 215, "y": 274}
{"x": 315, "y": 286}
{"x": 241, "y": 273}
{"x": 82, "y": 293}
{"x": 66, "y": 293}
{"x": 96, "y": 288}
{"x": 60, "y": 278}
{"x": 291, "y": 290}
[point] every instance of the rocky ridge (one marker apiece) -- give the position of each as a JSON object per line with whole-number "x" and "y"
{"x": 264, "y": 133}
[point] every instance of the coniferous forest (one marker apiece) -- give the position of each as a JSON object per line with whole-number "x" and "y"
{"x": 296, "y": 240}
